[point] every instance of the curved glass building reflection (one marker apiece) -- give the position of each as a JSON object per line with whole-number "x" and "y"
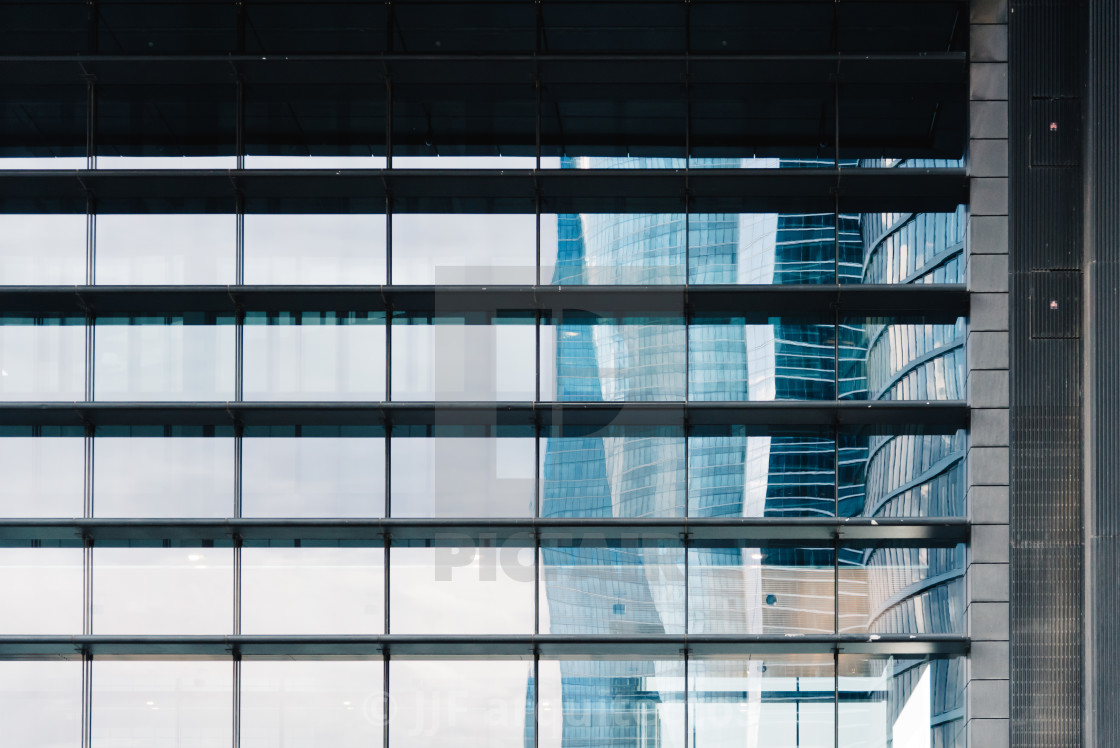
{"x": 732, "y": 590}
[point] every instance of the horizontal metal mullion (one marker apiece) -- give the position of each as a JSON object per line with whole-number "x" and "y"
{"x": 483, "y": 303}
{"x": 404, "y": 57}
{"x": 512, "y": 533}
{"x": 483, "y": 191}
{"x": 479, "y": 647}
{"x": 888, "y": 416}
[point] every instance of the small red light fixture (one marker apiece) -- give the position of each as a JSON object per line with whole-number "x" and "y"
{"x": 1053, "y": 306}
{"x": 1053, "y": 127}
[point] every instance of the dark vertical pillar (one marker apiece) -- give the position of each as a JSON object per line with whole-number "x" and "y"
{"x": 1046, "y": 86}
{"x": 1102, "y": 245}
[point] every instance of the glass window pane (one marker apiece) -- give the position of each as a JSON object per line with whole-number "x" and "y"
{"x": 162, "y": 704}
{"x": 313, "y": 477}
{"x": 152, "y": 361}
{"x": 42, "y": 361}
{"x": 312, "y": 703}
{"x": 42, "y": 249}
{"x": 637, "y": 360}
{"x": 904, "y": 475}
{"x": 778, "y": 361}
{"x": 42, "y": 591}
{"x": 140, "y": 476}
{"x": 784, "y": 475}
{"x": 607, "y": 248}
{"x": 165, "y": 249}
{"x": 461, "y": 590}
{"x": 43, "y": 476}
{"x": 463, "y": 477}
{"x": 436, "y": 703}
{"x": 470, "y": 162}
{"x": 613, "y": 702}
{"x": 912, "y": 247}
{"x": 762, "y": 248}
{"x": 313, "y": 162}
{"x": 463, "y": 362}
{"x": 613, "y": 476}
{"x": 315, "y": 249}
{"x": 162, "y": 590}
{"x": 464, "y": 249}
{"x": 314, "y": 591}
{"x": 41, "y": 703}
{"x": 315, "y": 356}
{"x": 902, "y": 590}
{"x": 910, "y": 362}
{"x": 166, "y": 162}
{"x": 773, "y": 590}
{"x": 779, "y": 700}
{"x": 612, "y": 590}
{"x": 895, "y": 701}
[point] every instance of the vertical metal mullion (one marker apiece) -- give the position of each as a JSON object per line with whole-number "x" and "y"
{"x": 685, "y": 653}
{"x": 686, "y": 542}
{"x": 87, "y": 700}
{"x": 385, "y": 698}
{"x": 836, "y": 697}
{"x": 236, "y": 722}
{"x": 536, "y": 697}
{"x": 836, "y": 583}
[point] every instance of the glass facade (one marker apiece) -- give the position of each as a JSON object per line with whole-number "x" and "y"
{"x": 495, "y": 412}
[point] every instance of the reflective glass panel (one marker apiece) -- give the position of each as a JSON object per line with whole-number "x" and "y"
{"x": 166, "y": 162}
{"x": 913, "y": 362}
{"x": 605, "y": 701}
{"x": 613, "y": 476}
{"x": 902, "y": 590}
{"x": 463, "y": 362}
{"x": 461, "y": 590}
{"x": 310, "y": 590}
{"x": 463, "y": 477}
{"x": 42, "y": 249}
{"x": 285, "y": 476}
{"x": 609, "y": 248}
{"x": 901, "y": 701}
{"x": 783, "y": 360}
{"x": 436, "y": 703}
{"x": 43, "y": 476}
{"x": 345, "y": 249}
{"x": 162, "y": 703}
{"x": 162, "y": 590}
{"x": 42, "y": 591}
{"x": 472, "y": 162}
{"x": 311, "y": 703}
{"x": 623, "y": 590}
{"x": 637, "y": 360}
{"x": 904, "y": 475}
{"x": 41, "y": 703}
{"x": 163, "y": 359}
{"x": 146, "y": 476}
{"x": 783, "y": 475}
{"x": 775, "y": 590}
{"x": 762, "y": 248}
{"x": 30, "y": 162}
{"x": 913, "y": 247}
{"x": 313, "y": 162}
{"x": 775, "y": 701}
{"x": 314, "y": 356}
{"x": 42, "y": 361}
{"x": 464, "y": 249}
{"x": 167, "y": 249}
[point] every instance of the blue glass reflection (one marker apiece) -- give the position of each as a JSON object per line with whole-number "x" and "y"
{"x": 792, "y": 475}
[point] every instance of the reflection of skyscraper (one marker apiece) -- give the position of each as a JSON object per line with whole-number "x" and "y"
{"x": 801, "y": 475}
